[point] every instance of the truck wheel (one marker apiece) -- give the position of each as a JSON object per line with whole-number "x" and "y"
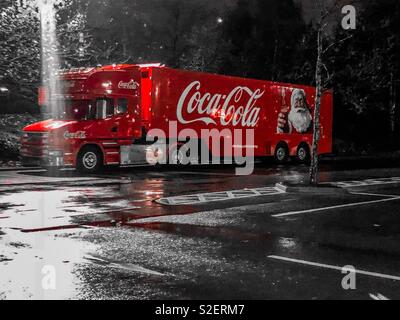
{"x": 177, "y": 155}
{"x": 281, "y": 153}
{"x": 90, "y": 160}
{"x": 303, "y": 154}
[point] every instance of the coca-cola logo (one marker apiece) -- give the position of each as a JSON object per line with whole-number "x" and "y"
{"x": 236, "y": 108}
{"x": 75, "y": 135}
{"x": 131, "y": 85}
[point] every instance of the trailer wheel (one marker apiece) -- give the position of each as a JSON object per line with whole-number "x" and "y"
{"x": 281, "y": 153}
{"x": 180, "y": 155}
{"x": 90, "y": 160}
{"x": 303, "y": 153}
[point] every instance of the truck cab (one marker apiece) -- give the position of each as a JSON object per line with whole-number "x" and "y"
{"x": 96, "y": 113}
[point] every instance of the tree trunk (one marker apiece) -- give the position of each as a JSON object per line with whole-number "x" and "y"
{"x": 124, "y": 41}
{"x": 392, "y": 105}
{"x": 274, "y": 59}
{"x": 316, "y": 131}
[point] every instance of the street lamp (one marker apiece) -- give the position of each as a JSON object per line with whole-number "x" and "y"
{"x": 4, "y": 91}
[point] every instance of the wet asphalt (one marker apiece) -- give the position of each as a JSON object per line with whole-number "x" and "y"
{"x": 64, "y": 236}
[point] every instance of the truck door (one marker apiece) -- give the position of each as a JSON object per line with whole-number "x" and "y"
{"x": 122, "y": 118}
{"x": 107, "y": 128}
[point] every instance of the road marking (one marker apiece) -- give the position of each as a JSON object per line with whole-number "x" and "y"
{"x": 363, "y": 183}
{"x": 120, "y": 265}
{"x": 218, "y": 196}
{"x": 376, "y": 194}
{"x": 292, "y": 213}
{"x": 328, "y": 266}
{"x": 378, "y": 297}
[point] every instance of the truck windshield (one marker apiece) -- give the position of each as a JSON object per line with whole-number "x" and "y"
{"x": 76, "y": 110}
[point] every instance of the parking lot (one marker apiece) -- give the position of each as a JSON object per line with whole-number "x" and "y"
{"x": 200, "y": 233}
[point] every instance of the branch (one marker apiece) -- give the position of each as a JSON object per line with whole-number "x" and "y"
{"x": 336, "y": 43}
{"x": 126, "y": 60}
{"x": 326, "y": 70}
{"x": 26, "y": 57}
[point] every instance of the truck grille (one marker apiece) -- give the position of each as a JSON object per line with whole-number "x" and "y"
{"x": 33, "y": 144}
{"x": 32, "y": 151}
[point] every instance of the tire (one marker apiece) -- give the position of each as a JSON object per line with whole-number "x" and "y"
{"x": 90, "y": 160}
{"x": 281, "y": 153}
{"x": 177, "y": 156}
{"x": 303, "y": 154}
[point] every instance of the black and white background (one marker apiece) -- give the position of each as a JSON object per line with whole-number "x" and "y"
{"x": 216, "y": 235}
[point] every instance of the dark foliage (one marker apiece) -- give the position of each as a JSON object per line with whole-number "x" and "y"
{"x": 264, "y": 39}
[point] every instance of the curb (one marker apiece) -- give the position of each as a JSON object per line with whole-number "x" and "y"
{"x": 382, "y": 157}
{"x": 62, "y": 184}
{"x": 19, "y": 168}
{"x": 307, "y": 189}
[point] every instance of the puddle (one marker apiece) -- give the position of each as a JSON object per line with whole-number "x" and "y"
{"x": 60, "y": 207}
{"x": 40, "y": 266}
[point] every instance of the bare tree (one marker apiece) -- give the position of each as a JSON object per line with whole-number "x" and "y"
{"x": 322, "y": 75}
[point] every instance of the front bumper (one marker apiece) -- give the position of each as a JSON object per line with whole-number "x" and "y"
{"x": 48, "y": 161}
{"x": 37, "y": 150}
{"x": 30, "y": 161}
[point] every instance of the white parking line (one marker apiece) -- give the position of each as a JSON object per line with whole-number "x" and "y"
{"x": 376, "y": 194}
{"x": 293, "y": 213}
{"x": 378, "y": 296}
{"x": 124, "y": 266}
{"x": 327, "y": 266}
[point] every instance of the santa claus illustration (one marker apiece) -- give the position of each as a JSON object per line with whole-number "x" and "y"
{"x": 299, "y": 119}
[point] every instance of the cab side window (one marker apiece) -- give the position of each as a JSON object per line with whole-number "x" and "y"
{"x": 122, "y": 106}
{"x": 104, "y": 108}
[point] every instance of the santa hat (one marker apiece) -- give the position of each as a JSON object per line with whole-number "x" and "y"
{"x": 296, "y": 94}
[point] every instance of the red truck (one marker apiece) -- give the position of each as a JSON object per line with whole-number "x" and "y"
{"x": 107, "y": 112}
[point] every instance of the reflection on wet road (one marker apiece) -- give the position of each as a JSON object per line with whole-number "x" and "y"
{"x": 107, "y": 236}
{"x": 59, "y": 206}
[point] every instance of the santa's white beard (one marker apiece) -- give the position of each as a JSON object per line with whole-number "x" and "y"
{"x": 300, "y": 120}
